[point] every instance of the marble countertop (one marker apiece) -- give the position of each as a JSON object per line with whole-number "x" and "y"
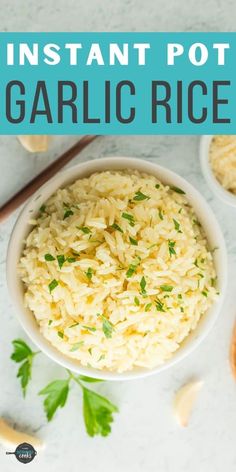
{"x": 145, "y": 436}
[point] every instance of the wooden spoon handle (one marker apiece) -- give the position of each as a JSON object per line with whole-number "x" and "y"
{"x": 20, "y": 197}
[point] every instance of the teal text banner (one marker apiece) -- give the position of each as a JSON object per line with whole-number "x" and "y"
{"x": 117, "y": 83}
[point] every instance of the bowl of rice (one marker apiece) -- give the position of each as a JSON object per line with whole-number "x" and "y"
{"x": 218, "y": 163}
{"x": 117, "y": 268}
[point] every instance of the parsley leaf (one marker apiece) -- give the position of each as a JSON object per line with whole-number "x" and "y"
{"x": 171, "y": 245}
{"x": 136, "y": 301}
{"x": 159, "y": 305}
{"x": 42, "y": 208}
{"x": 148, "y": 307}
{"x": 129, "y": 217}
{"x": 53, "y": 284}
{"x": 57, "y": 393}
{"x": 166, "y": 288}
{"x": 67, "y": 214}
{"x": 143, "y": 284}
{"x": 107, "y": 326}
{"x": 134, "y": 242}
{"x": 177, "y": 226}
{"x": 71, "y": 259}
{"x": 160, "y": 214}
{"x": 61, "y": 260}
{"x": 177, "y": 190}
{"x": 89, "y": 273}
{"x": 76, "y": 346}
{"x": 97, "y": 412}
{"x": 85, "y": 230}
{"x": 22, "y": 352}
{"x": 49, "y": 257}
{"x": 117, "y": 227}
{"x": 139, "y": 196}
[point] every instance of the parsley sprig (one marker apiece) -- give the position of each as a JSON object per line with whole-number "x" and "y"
{"x": 97, "y": 410}
{"x": 24, "y": 354}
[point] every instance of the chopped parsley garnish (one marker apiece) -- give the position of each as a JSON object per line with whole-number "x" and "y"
{"x": 136, "y": 301}
{"x": 90, "y": 328}
{"x": 139, "y": 196}
{"x": 42, "y": 208}
{"x": 177, "y": 226}
{"x": 129, "y": 217}
{"x": 117, "y": 227}
{"x": 196, "y": 222}
{"x": 76, "y": 346}
{"x": 143, "y": 284}
{"x": 89, "y": 273}
{"x": 107, "y": 327}
{"x": 159, "y": 305}
{"x": 166, "y": 288}
{"x": 49, "y": 257}
{"x": 74, "y": 324}
{"x": 61, "y": 260}
{"x": 60, "y": 334}
{"x": 71, "y": 259}
{"x": 157, "y": 186}
{"x": 180, "y": 296}
{"x": 148, "y": 307}
{"x": 205, "y": 293}
{"x": 67, "y": 214}
{"x": 49, "y": 322}
{"x": 85, "y": 230}
{"x": 177, "y": 190}
{"x": 53, "y": 284}
{"x": 171, "y": 245}
{"x": 133, "y": 241}
{"x": 160, "y": 214}
{"x": 131, "y": 270}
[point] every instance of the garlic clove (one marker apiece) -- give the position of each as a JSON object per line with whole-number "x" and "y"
{"x": 233, "y": 353}
{"x": 11, "y": 438}
{"x": 184, "y": 401}
{"x": 35, "y": 143}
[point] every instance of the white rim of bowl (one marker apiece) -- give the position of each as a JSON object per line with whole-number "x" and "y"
{"x": 87, "y": 168}
{"x": 210, "y": 178}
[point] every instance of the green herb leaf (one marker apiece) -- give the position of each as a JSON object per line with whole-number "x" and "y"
{"x": 21, "y": 350}
{"x": 136, "y": 301}
{"x": 42, "y": 208}
{"x": 84, "y": 378}
{"x": 117, "y": 227}
{"x": 129, "y": 217}
{"x": 171, "y": 245}
{"x": 85, "y": 230}
{"x": 177, "y": 225}
{"x": 76, "y": 346}
{"x": 73, "y": 325}
{"x": 49, "y": 322}
{"x": 60, "y": 334}
{"x": 67, "y": 214}
{"x": 97, "y": 412}
{"x": 160, "y": 214}
{"x": 71, "y": 259}
{"x": 131, "y": 270}
{"x": 57, "y": 393}
{"x": 61, "y": 260}
{"x": 143, "y": 284}
{"x": 177, "y": 190}
{"x": 166, "y": 288}
{"x": 139, "y": 196}
{"x": 134, "y": 242}
{"x": 89, "y": 273}
{"x": 159, "y": 305}
{"x": 24, "y": 373}
{"x": 205, "y": 293}
{"x": 107, "y": 328}
{"x": 89, "y": 328}
{"x": 157, "y": 186}
{"x": 49, "y": 257}
{"x": 53, "y": 284}
{"x": 148, "y": 307}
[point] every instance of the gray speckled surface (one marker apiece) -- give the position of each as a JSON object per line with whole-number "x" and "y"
{"x": 145, "y": 436}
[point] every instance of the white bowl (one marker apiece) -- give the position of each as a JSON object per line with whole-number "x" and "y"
{"x": 22, "y": 228}
{"x": 211, "y": 180}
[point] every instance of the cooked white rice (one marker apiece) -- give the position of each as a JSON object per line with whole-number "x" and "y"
{"x": 117, "y": 303}
{"x": 223, "y": 160}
